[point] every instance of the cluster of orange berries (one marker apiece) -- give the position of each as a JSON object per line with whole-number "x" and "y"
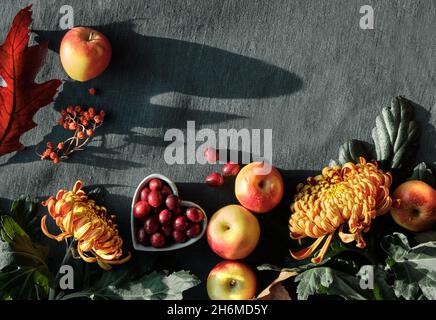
{"x": 80, "y": 120}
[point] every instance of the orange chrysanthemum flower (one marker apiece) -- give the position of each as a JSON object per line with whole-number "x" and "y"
{"x": 351, "y": 195}
{"x": 79, "y": 217}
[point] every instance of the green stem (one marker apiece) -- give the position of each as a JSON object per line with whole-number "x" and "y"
{"x": 52, "y": 291}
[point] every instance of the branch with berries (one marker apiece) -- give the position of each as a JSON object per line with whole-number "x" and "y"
{"x": 83, "y": 122}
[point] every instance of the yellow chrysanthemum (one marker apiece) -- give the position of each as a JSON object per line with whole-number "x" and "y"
{"x": 351, "y": 195}
{"x": 79, "y": 217}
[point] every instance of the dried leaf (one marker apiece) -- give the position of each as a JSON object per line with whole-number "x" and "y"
{"x": 21, "y": 97}
{"x": 276, "y": 291}
{"x": 396, "y": 134}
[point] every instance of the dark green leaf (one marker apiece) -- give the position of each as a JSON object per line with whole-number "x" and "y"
{"x": 422, "y": 173}
{"x": 396, "y": 134}
{"x": 23, "y": 211}
{"x": 96, "y": 193}
{"x": 350, "y": 151}
{"x": 414, "y": 268}
{"x": 23, "y": 271}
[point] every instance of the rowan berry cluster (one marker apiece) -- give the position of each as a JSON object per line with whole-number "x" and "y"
{"x": 83, "y": 122}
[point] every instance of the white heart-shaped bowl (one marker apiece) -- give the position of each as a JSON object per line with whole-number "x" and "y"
{"x": 174, "y": 246}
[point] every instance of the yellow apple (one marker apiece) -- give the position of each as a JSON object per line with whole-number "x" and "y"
{"x": 231, "y": 280}
{"x": 233, "y": 232}
{"x": 259, "y": 187}
{"x": 85, "y": 53}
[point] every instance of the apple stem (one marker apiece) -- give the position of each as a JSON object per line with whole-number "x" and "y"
{"x": 91, "y": 35}
{"x": 232, "y": 283}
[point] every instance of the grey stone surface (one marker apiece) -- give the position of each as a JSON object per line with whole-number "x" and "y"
{"x": 303, "y": 68}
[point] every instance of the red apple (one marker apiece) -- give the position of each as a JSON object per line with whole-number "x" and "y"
{"x": 231, "y": 280}
{"x": 259, "y": 187}
{"x": 233, "y": 232}
{"x": 417, "y": 209}
{"x": 85, "y": 53}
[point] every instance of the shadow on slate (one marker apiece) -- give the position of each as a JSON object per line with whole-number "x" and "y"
{"x": 144, "y": 67}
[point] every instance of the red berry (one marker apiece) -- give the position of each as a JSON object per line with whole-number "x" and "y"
{"x": 165, "y": 216}
{"x": 211, "y": 155}
{"x": 72, "y": 126}
{"x": 98, "y": 119}
{"x": 141, "y": 210}
{"x": 180, "y": 223}
{"x": 91, "y": 111}
{"x": 151, "y": 225}
{"x": 102, "y": 113}
{"x": 172, "y": 202}
{"x": 194, "y": 214}
{"x": 49, "y": 145}
{"x": 166, "y": 230}
{"x": 142, "y": 237}
{"x": 193, "y": 231}
{"x": 157, "y": 240}
{"x": 92, "y": 91}
{"x": 230, "y": 169}
{"x": 84, "y": 122}
{"x": 78, "y": 109}
{"x": 179, "y": 236}
{"x": 64, "y": 112}
{"x": 89, "y": 132}
{"x": 60, "y": 145}
{"x": 166, "y": 191}
{"x": 80, "y": 135}
{"x": 53, "y": 155}
{"x": 154, "y": 198}
{"x": 70, "y": 109}
{"x": 155, "y": 184}
{"x": 144, "y": 193}
{"x": 56, "y": 160}
{"x": 215, "y": 180}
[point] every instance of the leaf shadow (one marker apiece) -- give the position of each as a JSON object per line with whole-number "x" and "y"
{"x": 145, "y": 67}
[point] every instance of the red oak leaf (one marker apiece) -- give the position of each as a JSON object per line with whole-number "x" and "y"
{"x": 20, "y": 96}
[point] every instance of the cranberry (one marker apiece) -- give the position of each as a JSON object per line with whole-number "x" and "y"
{"x": 155, "y": 184}
{"x": 179, "y": 236}
{"x": 172, "y": 202}
{"x": 142, "y": 237}
{"x": 193, "y": 231}
{"x": 194, "y": 214}
{"x": 154, "y": 198}
{"x": 141, "y": 210}
{"x": 211, "y": 155}
{"x": 230, "y": 169}
{"x": 158, "y": 240}
{"x": 165, "y": 216}
{"x": 166, "y": 230}
{"x": 215, "y": 180}
{"x": 166, "y": 191}
{"x": 151, "y": 225}
{"x": 180, "y": 223}
{"x": 144, "y": 193}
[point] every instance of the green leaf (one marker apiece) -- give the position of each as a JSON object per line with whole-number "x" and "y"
{"x": 422, "y": 173}
{"x": 117, "y": 285}
{"x": 23, "y": 271}
{"x": 96, "y": 193}
{"x": 396, "y": 134}
{"x": 23, "y": 211}
{"x": 414, "y": 268}
{"x": 350, "y": 151}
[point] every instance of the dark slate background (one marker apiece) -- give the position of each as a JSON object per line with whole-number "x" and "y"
{"x": 303, "y": 68}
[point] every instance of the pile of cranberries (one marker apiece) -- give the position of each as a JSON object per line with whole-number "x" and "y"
{"x": 161, "y": 219}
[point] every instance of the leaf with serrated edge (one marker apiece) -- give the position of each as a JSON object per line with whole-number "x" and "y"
{"x": 414, "y": 268}
{"x": 396, "y": 134}
{"x": 422, "y": 173}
